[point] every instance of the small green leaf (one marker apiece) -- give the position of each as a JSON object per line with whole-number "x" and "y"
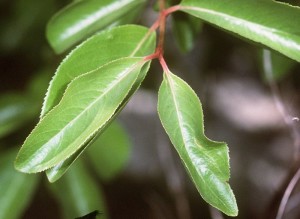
{"x": 88, "y": 104}
{"x": 119, "y": 42}
{"x": 253, "y": 20}
{"x": 16, "y": 188}
{"x": 207, "y": 161}
{"x": 82, "y": 18}
{"x": 60, "y": 169}
{"x": 185, "y": 28}
{"x": 114, "y": 142}
{"x": 78, "y": 193}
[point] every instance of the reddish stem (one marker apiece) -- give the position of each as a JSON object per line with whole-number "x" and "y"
{"x": 161, "y": 23}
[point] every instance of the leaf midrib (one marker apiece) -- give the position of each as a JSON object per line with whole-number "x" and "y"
{"x": 126, "y": 73}
{"x": 182, "y": 136}
{"x": 239, "y": 21}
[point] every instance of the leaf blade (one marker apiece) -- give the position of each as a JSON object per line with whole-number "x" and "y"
{"x": 253, "y": 20}
{"x": 207, "y": 161}
{"x": 118, "y": 42}
{"x": 60, "y": 169}
{"x": 80, "y": 19}
{"x": 80, "y": 114}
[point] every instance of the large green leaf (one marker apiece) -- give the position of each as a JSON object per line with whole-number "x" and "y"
{"x": 274, "y": 24}
{"x": 88, "y": 104}
{"x": 60, "y": 169}
{"x": 180, "y": 112}
{"x": 78, "y": 193}
{"x": 16, "y": 188}
{"x": 114, "y": 142}
{"x": 129, "y": 40}
{"x": 80, "y": 19}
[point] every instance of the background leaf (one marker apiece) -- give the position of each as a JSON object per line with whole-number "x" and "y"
{"x": 186, "y": 29}
{"x": 110, "y": 152}
{"x": 78, "y": 193}
{"x": 16, "y": 188}
{"x": 119, "y": 42}
{"x": 81, "y": 113}
{"x": 207, "y": 161}
{"x": 15, "y": 111}
{"x": 82, "y": 18}
{"x": 253, "y": 20}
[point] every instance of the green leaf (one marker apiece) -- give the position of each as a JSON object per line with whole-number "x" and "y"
{"x": 124, "y": 41}
{"x": 88, "y": 104}
{"x": 207, "y": 161}
{"x": 254, "y": 20}
{"x": 15, "y": 111}
{"x": 60, "y": 169}
{"x": 114, "y": 142}
{"x": 78, "y": 193}
{"x": 82, "y": 18}
{"x": 186, "y": 29}
{"x": 16, "y": 188}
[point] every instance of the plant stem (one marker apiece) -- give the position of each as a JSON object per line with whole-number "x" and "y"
{"x": 161, "y": 24}
{"x": 287, "y": 194}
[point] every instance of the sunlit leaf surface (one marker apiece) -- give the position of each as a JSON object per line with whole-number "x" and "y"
{"x": 88, "y": 104}
{"x": 80, "y": 19}
{"x": 207, "y": 161}
{"x": 274, "y": 24}
{"x": 119, "y": 42}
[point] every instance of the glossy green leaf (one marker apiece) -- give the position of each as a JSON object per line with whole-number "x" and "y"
{"x": 124, "y": 41}
{"x": 254, "y": 20}
{"x": 186, "y": 29}
{"x": 78, "y": 193}
{"x": 15, "y": 111}
{"x": 114, "y": 142}
{"x": 89, "y": 102}
{"x": 80, "y": 19}
{"x": 16, "y": 188}
{"x": 207, "y": 161}
{"x": 60, "y": 169}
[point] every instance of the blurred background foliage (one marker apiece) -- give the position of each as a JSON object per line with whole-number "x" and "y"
{"x": 132, "y": 171}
